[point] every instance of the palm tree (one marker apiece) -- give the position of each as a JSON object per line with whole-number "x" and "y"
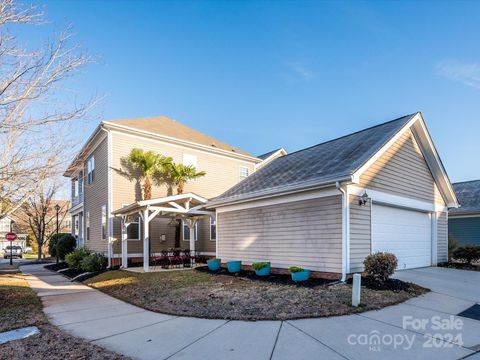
{"x": 147, "y": 163}
{"x": 179, "y": 174}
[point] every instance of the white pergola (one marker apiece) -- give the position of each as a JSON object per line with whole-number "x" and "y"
{"x": 187, "y": 207}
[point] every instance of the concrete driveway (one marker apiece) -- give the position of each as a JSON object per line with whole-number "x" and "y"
{"x": 422, "y": 328}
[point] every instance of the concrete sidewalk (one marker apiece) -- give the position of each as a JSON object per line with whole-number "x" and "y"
{"x": 141, "y": 334}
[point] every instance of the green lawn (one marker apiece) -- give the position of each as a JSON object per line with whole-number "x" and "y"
{"x": 222, "y": 296}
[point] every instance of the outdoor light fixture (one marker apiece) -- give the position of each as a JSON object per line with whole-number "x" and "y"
{"x": 363, "y": 199}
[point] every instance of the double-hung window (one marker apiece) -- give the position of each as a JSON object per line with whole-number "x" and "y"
{"x": 213, "y": 229}
{"x": 133, "y": 229}
{"x": 90, "y": 170}
{"x": 186, "y": 232}
{"x": 87, "y": 225}
{"x": 243, "y": 172}
{"x": 104, "y": 222}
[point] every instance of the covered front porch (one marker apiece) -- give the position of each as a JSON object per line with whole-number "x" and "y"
{"x": 187, "y": 208}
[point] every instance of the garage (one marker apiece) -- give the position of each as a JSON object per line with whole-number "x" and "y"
{"x": 405, "y": 233}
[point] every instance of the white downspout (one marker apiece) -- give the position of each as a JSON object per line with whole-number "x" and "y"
{"x": 345, "y": 230}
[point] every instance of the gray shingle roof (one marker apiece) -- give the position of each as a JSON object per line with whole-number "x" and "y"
{"x": 266, "y": 155}
{"x": 468, "y": 195}
{"x": 327, "y": 162}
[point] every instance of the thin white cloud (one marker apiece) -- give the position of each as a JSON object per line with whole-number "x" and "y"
{"x": 465, "y": 73}
{"x": 301, "y": 71}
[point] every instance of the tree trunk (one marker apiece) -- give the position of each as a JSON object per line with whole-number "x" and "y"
{"x": 147, "y": 189}
{"x": 180, "y": 188}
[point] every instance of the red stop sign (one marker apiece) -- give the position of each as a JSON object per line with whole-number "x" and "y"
{"x": 11, "y": 236}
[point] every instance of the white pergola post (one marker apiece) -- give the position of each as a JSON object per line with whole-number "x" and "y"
{"x": 191, "y": 222}
{"x": 146, "y": 248}
{"x": 124, "y": 244}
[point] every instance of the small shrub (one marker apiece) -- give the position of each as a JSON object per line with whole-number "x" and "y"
{"x": 75, "y": 258}
{"x": 94, "y": 262}
{"x": 467, "y": 254}
{"x": 380, "y": 266}
{"x": 452, "y": 246}
{"x": 295, "y": 269}
{"x": 257, "y": 266}
{"x": 66, "y": 244}
{"x": 52, "y": 243}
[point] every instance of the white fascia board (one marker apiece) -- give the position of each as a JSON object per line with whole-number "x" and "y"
{"x": 85, "y": 151}
{"x": 432, "y": 158}
{"x": 286, "y": 198}
{"x": 379, "y": 153}
{"x": 191, "y": 145}
{"x": 280, "y": 191}
{"x": 396, "y": 200}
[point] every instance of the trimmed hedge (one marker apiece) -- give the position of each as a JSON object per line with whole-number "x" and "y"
{"x": 467, "y": 254}
{"x": 65, "y": 245}
{"x": 380, "y": 266}
{"x": 52, "y": 243}
{"x": 94, "y": 262}
{"x": 75, "y": 258}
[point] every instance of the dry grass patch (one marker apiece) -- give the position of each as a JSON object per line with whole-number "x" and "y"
{"x": 20, "y": 307}
{"x": 222, "y": 296}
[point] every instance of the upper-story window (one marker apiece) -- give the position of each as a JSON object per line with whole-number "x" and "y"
{"x": 104, "y": 222}
{"x": 90, "y": 170}
{"x": 75, "y": 188}
{"x": 243, "y": 172}
{"x": 5, "y": 225}
{"x": 189, "y": 160}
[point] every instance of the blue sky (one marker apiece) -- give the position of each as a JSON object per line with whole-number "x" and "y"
{"x": 261, "y": 75}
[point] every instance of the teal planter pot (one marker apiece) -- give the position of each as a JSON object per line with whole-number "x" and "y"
{"x": 214, "y": 265}
{"x": 234, "y": 266}
{"x": 263, "y": 271}
{"x": 301, "y": 275}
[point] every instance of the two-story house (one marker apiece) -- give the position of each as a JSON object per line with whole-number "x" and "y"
{"x": 101, "y": 185}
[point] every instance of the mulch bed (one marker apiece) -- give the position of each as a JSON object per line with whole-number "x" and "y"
{"x": 56, "y": 267}
{"x": 461, "y": 266}
{"x": 71, "y": 273}
{"x": 244, "y": 296}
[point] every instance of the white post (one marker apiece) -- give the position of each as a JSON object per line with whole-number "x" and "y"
{"x": 356, "y": 289}
{"x": 191, "y": 222}
{"x": 146, "y": 248}
{"x": 124, "y": 245}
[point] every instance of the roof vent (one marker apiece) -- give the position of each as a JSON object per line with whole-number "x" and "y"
{"x": 213, "y": 144}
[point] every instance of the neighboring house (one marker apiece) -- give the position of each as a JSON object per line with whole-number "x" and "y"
{"x": 100, "y": 186}
{"x": 7, "y": 224}
{"x": 464, "y": 222}
{"x": 328, "y": 206}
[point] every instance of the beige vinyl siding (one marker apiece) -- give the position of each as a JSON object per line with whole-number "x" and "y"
{"x": 402, "y": 170}
{"x": 442, "y": 237}
{"x": 304, "y": 233}
{"x": 221, "y": 174}
{"x": 96, "y": 196}
{"x": 360, "y": 233}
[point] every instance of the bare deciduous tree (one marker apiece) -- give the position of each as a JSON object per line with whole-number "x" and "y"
{"x": 36, "y": 112}
{"x": 40, "y": 215}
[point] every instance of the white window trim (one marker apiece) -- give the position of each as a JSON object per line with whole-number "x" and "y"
{"x": 104, "y": 234}
{"x": 139, "y": 228}
{"x": 240, "y": 168}
{"x": 87, "y": 226}
{"x": 91, "y": 170}
{"x": 195, "y": 232}
{"x": 210, "y": 229}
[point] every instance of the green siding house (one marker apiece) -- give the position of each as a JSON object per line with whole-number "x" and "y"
{"x": 464, "y": 222}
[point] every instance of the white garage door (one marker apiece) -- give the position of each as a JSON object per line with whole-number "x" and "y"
{"x": 405, "y": 233}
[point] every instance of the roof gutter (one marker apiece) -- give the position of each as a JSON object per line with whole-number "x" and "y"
{"x": 277, "y": 192}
